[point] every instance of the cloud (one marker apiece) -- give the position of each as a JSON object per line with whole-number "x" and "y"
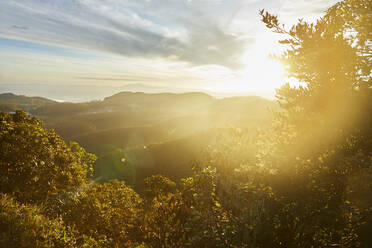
{"x": 294, "y": 9}
{"x": 170, "y": 29}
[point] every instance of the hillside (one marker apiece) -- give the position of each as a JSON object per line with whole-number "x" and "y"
{"x": 176, "y": 112}
{"x": 11, "y": 102}
{"x": 174, "y": 128}
{"x": 20, "y": 99}
{"x": 173, "y": 159}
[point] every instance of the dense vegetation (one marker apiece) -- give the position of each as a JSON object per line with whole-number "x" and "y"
{"x": 304, "y": 182}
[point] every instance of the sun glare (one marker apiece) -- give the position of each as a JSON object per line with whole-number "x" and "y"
{"x": 261, "y": 72}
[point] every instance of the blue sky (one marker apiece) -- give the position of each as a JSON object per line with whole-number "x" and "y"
{"x": 198, "y": 44}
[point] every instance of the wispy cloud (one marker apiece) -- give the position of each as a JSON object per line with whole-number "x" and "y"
{"x": 194, "y": 31}
{"x": 109, "y": 43}
{"x": 308, "y": 9}
{"x": 177, "y": 30}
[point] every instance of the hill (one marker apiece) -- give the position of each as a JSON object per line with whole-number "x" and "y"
{"x": 173, "y": 158}
{"x": 11, "y": 102}
{"x": 173, "y": 128}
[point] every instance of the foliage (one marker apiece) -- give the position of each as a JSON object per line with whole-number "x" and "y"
{"x": 157, "y": 186}
{"x": 332, "y": 59}
{"x": 192, "y": 217}
{"x": 306, "y": 162}
{"x": 25, "y": 226}
{"x": 107, "y": 213}
{"x": 36, "y": 165}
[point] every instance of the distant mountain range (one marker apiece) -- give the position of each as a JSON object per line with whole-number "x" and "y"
{"x": 83, "y": 93}
{"x": 138, "y": 87}
{"x": 125, "y": 100}
{"x": 188, "y": 112}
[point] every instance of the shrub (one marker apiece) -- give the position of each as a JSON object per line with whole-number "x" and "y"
{"x": 25, "y": 226}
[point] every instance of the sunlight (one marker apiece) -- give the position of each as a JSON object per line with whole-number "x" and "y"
{"x": 192, "y": 133}
{"x": 261, "y": 72}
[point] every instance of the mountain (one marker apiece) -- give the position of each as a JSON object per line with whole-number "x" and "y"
{"x": 138, "y": 87}
{"x": 164, "y": 113}
{"x": 11, "y": 102}
{"x": 20, "y": 99}
{"x": 167, "y": 101}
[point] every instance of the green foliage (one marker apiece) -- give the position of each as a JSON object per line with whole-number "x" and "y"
{"x": 36, "y": 165}
{"x": 25, "y": 226}
{"x": 191, "y": 217}
{"x": 108, "y": 214}
{"x": 158, "y": 185}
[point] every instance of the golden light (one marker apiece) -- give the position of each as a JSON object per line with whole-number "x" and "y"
{"x": 261, "y": 72}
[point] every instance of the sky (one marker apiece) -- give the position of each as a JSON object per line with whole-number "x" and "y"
{"x": 86, "y": 49}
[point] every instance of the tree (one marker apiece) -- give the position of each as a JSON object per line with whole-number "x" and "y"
{"x": 189, "y": 217}
{"x": 25, "y": 226}
{"x": 298, "y": 189}
{"x": 109, "y": 213}
{"x": 36, "y": 165}
{"x": 332, "y": 58}
{"x": 323, "y": 140}
{"x": 158, "y": 185}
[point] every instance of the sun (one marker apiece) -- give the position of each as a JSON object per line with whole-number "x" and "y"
{"x": 261, "y": 72}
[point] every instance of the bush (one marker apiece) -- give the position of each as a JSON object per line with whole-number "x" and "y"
{"x": 25, "y": 226}
{"x": 109, "y": 213}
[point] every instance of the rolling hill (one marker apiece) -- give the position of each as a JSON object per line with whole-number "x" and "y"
{"x": 154, "y": 133}
{"x": 11, "y": 102}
